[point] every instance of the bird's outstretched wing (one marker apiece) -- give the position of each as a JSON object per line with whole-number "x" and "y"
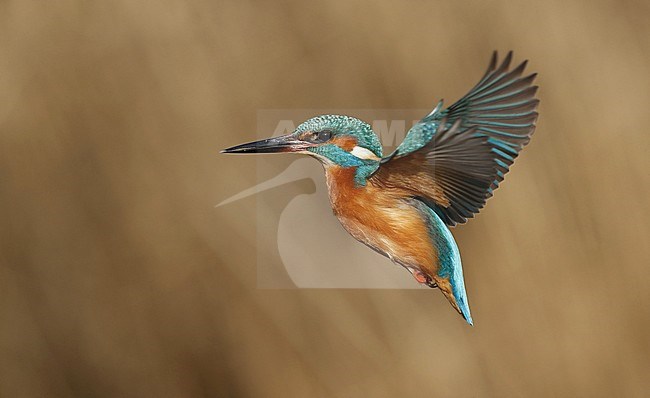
{"x": 455, "y": 158}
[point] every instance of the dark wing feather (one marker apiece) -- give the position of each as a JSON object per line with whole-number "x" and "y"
{"x": 502, "y": 105}
{"x": 499, "y": 113}
{"x": 452, "y": 173}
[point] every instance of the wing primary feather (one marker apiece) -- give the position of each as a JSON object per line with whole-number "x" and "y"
{"x": 454, "y": 159}
{"x": 508, "y": 85}
{"x": 500, "y": 82}
{"x": 489, "y": 70}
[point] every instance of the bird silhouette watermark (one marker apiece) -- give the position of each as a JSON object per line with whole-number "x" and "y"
{"x": 300, "y": 242}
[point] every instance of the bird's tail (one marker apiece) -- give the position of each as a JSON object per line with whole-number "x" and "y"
{"x": 449, "y": 276}
{"x": 456, "y": 295}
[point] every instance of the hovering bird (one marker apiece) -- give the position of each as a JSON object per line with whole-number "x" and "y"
{"x": 448, "y": 165}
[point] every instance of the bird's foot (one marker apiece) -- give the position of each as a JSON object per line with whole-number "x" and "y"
{"x": 423, "y": 278}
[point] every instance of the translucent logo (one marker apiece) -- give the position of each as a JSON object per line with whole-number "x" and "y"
{"x": 300, "y": 242}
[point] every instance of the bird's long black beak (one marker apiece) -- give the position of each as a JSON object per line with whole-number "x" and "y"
{"x": 284, "y": 143}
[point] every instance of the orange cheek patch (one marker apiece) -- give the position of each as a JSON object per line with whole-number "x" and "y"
{"x": 346, "y": 143}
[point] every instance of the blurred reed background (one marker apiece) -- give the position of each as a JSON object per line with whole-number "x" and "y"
{"x": 118, "y": 277}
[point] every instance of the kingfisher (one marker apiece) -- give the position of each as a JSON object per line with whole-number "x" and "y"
{"x": 442, "y": 173}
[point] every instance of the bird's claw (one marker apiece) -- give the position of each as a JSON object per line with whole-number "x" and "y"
{"x": 423, "y": 278}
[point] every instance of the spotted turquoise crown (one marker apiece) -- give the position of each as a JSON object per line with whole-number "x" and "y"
{"x": 345, "y": 125}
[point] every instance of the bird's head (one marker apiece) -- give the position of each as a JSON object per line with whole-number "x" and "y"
{"x": 335, "y": 140}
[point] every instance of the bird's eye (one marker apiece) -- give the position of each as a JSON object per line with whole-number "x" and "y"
{"x": 322, "y": 136}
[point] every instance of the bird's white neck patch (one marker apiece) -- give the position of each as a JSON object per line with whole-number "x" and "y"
{"x": 363, "y": 153}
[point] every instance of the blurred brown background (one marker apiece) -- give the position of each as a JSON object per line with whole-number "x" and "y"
{"x": 118, "y": 277}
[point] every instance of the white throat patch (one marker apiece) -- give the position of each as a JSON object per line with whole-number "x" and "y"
{"x": 363, "y": 153}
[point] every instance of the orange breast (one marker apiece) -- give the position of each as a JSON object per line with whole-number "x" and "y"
{"x": 383, "y": 219}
